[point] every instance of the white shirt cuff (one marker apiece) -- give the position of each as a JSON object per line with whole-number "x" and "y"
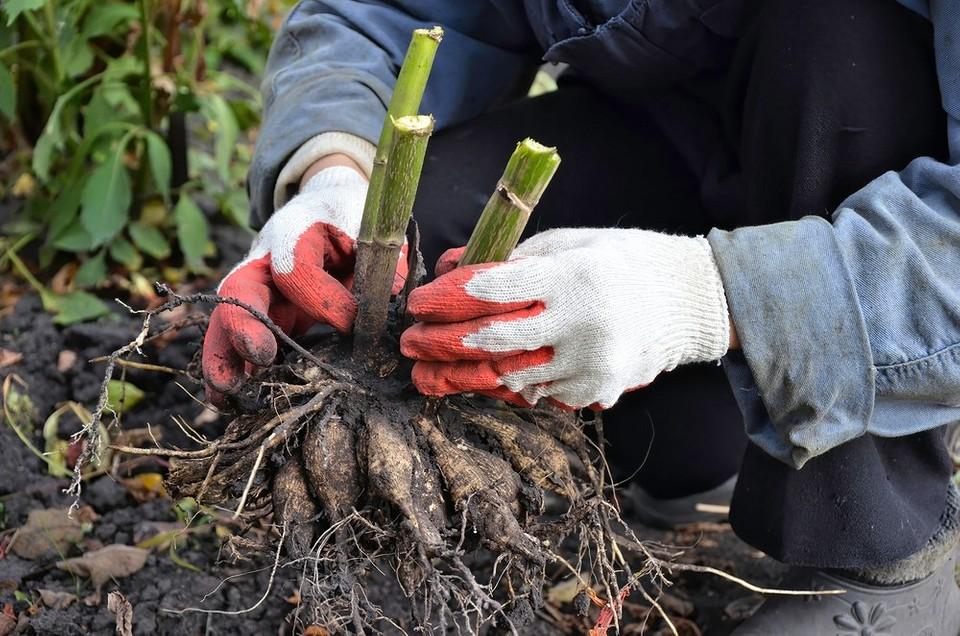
{"x": 358, "y": 149}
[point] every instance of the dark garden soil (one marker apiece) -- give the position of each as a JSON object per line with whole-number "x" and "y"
{"x": 239, "y": 597}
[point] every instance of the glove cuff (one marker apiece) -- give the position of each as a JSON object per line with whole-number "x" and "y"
{"x": 359, "y": 150}
{"x": 702, "y": 316}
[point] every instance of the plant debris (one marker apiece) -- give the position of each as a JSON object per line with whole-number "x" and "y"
{"x": 57, "y": 600}
{"x": 46, "y": 534}
{"x": 120, "y": 607}
{"x": 363, "y": 475}
{"x": 111, "y": 562}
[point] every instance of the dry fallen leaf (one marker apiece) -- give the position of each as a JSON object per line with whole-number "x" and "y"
{"x": 47, "y": 533}
{"x": 316, "y": 630}
{"x": 112, "y": 562}
{"x": 62, "y": 281}
{"x": 10, "y": 293}
{"x": 118, "y": 604}
{"x": 7, "y": 624}
{"x": 66, "y": 360}
{"x": 9, "y": 358}
{"x": 57, "y": 600}
{"x": 85, "y": 515}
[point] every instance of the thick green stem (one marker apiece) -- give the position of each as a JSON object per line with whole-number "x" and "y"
{"x": 405, "y": 101}
{"x": 49, "y": 13}
{"x": 377, "y": 271}
{"x": 524, "y": 180}
{"x": 146, "y": 98}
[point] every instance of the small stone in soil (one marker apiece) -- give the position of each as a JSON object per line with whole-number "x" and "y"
{"x": 105, "y": 494}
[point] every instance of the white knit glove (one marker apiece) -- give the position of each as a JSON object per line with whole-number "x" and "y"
{"x": 576, "y": 315}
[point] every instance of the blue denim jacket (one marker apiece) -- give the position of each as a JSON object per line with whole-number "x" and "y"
{"x": 848, "y": 327}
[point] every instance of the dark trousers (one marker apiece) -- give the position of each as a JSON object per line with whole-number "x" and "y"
{"x": 819, "y": 98}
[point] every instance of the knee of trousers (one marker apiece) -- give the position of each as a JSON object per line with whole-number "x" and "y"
{"x": 834, "y": 93}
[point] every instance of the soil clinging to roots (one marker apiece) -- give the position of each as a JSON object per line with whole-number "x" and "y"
{"x": 468, "y": 504}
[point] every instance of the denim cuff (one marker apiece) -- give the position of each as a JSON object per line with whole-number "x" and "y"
{"x": 806, "y": 378}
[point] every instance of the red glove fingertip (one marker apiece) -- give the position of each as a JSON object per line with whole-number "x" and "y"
{"x": 449, "y": 260}
{"x": 213, "y": 396}
{"x": 222, "y": 366}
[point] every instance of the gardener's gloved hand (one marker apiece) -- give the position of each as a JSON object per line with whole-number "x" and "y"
{"x": 578, "y": 316}
{"x": 299, "y": 272}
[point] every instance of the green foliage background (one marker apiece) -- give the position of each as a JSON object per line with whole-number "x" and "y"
{"x": 96, "y": 97}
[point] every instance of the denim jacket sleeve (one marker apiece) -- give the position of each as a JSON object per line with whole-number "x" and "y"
{"x": 851, "y": 327}
{"x": 854, "y": 327}
{"x": 334, "y": 62}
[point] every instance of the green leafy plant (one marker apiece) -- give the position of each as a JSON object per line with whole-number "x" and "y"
{"x": 121, "y": 122}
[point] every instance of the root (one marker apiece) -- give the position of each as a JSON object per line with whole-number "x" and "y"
{"x": 330, "y": 459}
{"x": 535, "y": 455}
{"x": 390, "y": 468}
{"x": 368, "y": 479}
{"x": 293, "y": 507}
{"x": 473, "y": 492}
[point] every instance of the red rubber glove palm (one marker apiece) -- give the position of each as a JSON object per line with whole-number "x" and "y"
{"x": 298, "y": 272}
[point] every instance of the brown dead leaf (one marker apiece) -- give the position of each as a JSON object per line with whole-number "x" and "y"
{"x": 112, "y": 562}
{"x": 118, "y": 604}
{"x": 47, "y": 533}
{"x": 7, "y": 624}
{"x": 10, "y": 293}
{"x": 316, "y": 630}
{"x": 9, "y": 358}
{"x": 85, "y": 514}
{"x": 65, "y": 360}
{"x": 57, "y": 600}
{"x": 62, "y": 281}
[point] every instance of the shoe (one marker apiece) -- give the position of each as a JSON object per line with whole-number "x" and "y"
{"x": 711, "y": 505}
{"x": 928, "y": 607}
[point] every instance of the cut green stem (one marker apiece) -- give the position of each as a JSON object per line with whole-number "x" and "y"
{"x": 378, "y": 269}
{"x": 524, "y": 180}
{"x": 405, "y": 101}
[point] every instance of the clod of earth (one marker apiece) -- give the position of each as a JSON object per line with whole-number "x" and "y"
{"x": 361, "y": 472}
